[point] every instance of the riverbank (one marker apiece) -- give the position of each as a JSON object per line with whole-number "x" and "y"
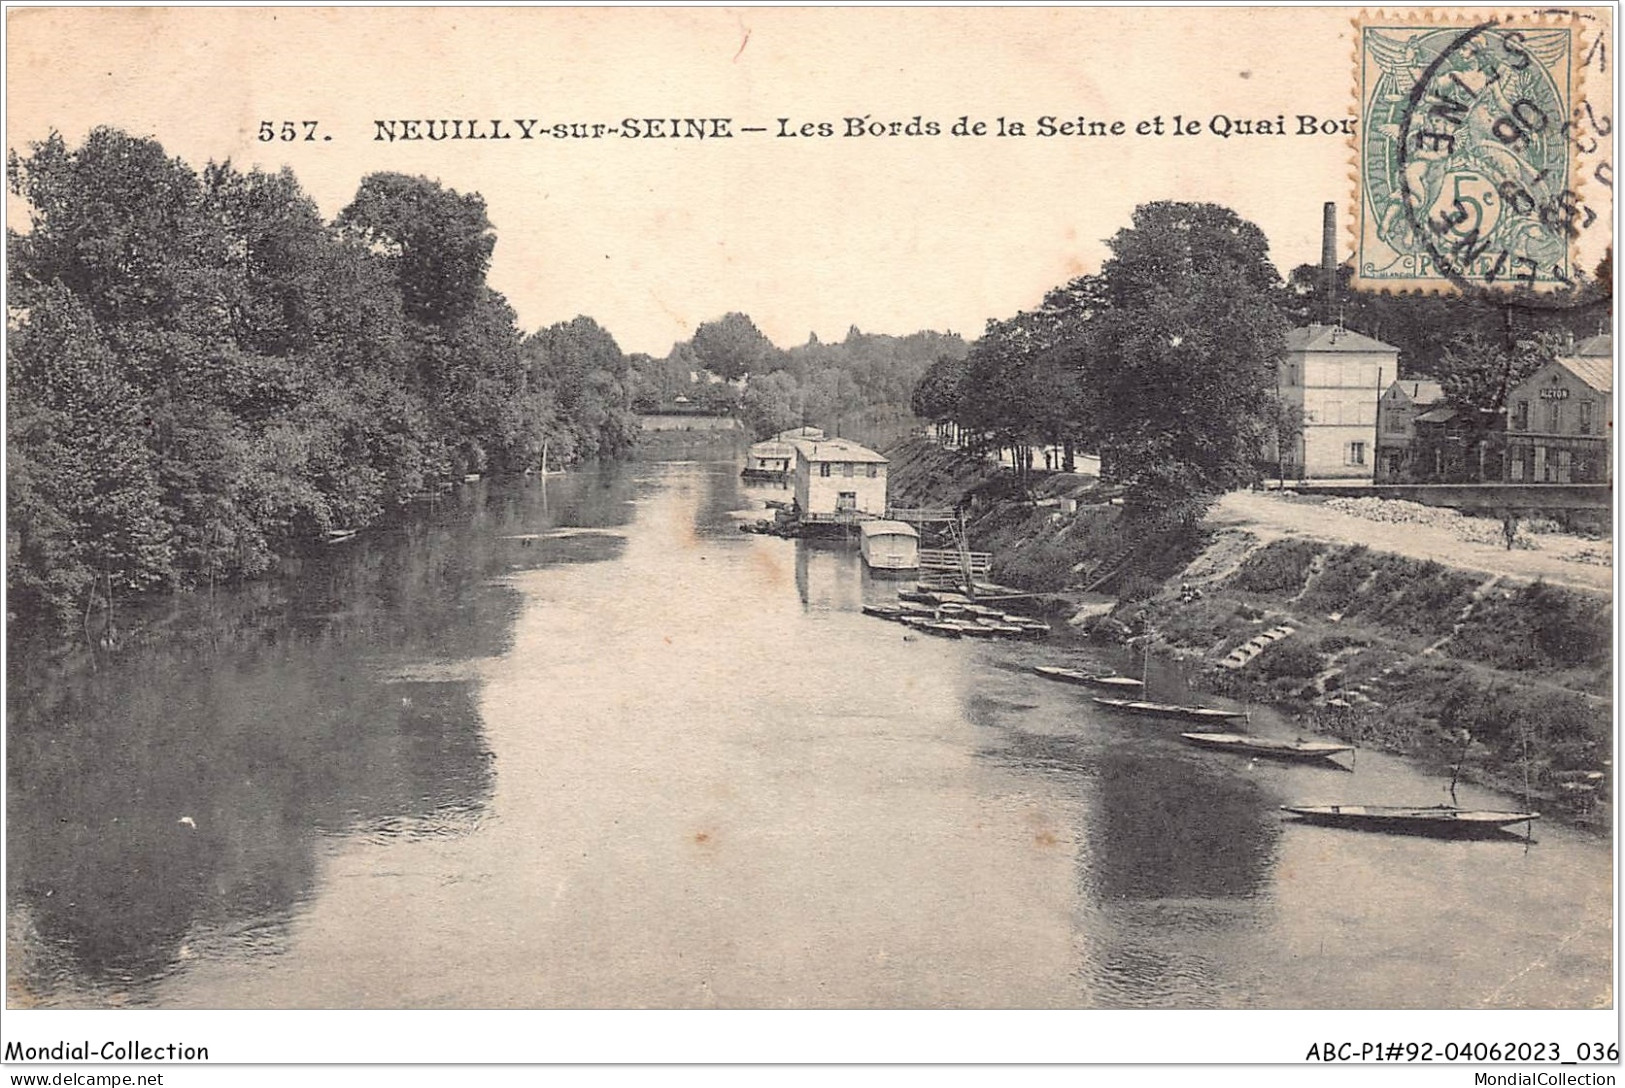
{"x": 1438, "y": 657}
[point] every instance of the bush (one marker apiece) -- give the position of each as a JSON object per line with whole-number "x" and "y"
{"x": 1539, "y": 627}
{"x": 1279, "y": 567}
{"x": 1333, "y": 590}
{"x": 1290, "y": 658}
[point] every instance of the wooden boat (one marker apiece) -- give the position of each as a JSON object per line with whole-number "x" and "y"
{"x": 1263, "y": 746}
{"x": 1074, "y": 676}
{"x": 999, "y": 627}
{"x": 937, "y": 627}
{"x": 1169, "y": 710}
{"x": 884, "y": 611}
{"x": 971, "y": 629}
{"x": 339, "y": 536}
{"x": 1446, "y": 821}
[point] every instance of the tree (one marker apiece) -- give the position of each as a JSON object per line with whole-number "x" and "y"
{"x": 580, "y": 366}
{"x": 1477, "y": 372}
{"x": 1183, "y": 358}
{"x": 937, "y": 395}
{"x": 438, "y": 241}
{"x": 772, "y": 403}
{"x": 732, "y": 346}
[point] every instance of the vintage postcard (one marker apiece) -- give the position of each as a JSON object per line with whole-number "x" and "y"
{"x": 548, "y": 534}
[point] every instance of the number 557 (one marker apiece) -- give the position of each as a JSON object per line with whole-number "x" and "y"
{"x": 287, "y": 131}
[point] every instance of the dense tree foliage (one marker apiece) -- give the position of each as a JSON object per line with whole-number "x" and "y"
{"x": 203, "y": 374}
{"x": 1184, "y": 353}
{"x": 1163, "y": 364}
{"x": 730, "y": 366}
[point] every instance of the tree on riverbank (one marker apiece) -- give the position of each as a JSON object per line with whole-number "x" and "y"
{"x": 1163, "y": 363}
{"x": 1183, "y": 355}
{"x": 204, "y": 375}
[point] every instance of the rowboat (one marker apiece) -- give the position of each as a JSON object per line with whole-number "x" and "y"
{"x": 1074, "y": 676}
{"x": 1168, "y": 710}
{"x": 884, "y": 611}
{"x": 1445, "y": 821}
{"x": 1263, "y": 746}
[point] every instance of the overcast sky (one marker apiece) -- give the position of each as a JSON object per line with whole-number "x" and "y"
{"x": 806, "y": 235}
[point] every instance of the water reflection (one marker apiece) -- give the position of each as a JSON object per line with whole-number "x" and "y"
{"x": 1165, "y": 827}
{"x": 578, "y": 742}
{"x": 170, "y": 799}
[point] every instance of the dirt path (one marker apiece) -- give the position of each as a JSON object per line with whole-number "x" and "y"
{"x": 1271, "y": 516}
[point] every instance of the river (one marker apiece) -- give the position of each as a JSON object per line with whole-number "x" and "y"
{"x": 578, "y": 742}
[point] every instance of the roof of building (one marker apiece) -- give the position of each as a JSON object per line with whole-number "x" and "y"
{"x": 1332, "y": 338}
{"x": 771, "y": 448}
{"x": 1601, "y": 344}
{"x": 1437, "y": 415}
{"x": 1420, "y": 390}
{"x": 1596, "y": 371}
{"x": 799, "y": 432}
{"x": 888, "y": 528}
{"x": 836, "y": 449}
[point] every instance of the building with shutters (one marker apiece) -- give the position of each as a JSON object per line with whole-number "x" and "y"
{"x": 1560, "y": 420}
{"x": 838, "y": 480}
{"x": 1333, "y": 376}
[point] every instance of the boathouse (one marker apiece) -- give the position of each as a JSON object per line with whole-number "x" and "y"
{"x": 838, "y": 481}
{"x": 775, "y": 458}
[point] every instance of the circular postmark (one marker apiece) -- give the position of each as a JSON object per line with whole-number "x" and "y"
{"x": 1468, "y": 165}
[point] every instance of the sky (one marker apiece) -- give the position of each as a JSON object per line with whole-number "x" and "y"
{"x": 808, "y": 235}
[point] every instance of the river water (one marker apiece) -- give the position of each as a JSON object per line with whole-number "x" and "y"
{"x": 578, "y": 742}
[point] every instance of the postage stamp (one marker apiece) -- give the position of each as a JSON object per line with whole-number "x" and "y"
{"x": 1467, "y": 174}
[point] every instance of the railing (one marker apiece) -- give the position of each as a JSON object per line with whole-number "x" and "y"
{"x": 921, "y": 513}
{"x": 951, "y": 560}
{"x": 837, "y": 517}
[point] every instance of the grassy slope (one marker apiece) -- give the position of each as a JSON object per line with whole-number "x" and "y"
{"x": 1393, "y": 652}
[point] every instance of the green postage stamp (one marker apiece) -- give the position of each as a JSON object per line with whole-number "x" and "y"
{"x": 1467, "y": 167}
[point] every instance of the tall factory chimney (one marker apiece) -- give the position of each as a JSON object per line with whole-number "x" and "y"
{"x": 1328, "y": 263}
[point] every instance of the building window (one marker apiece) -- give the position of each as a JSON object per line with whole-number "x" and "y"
{"x": 1393, "y": 421}
{"x": 846, "y": 500}
{"x": 1520, "y": 416}
{"x": 874, "y": 472}
{"x": 1554, "y": 417}
{"x": 823, "y": 468}
{"x": 1585, "y": 417}
{"x": 846, "y": 468}
{"x": 1356, "y": 453}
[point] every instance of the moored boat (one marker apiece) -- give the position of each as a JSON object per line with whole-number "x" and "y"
{"x": 884, "y": 611}
{"x": 1445, "y": 821}
{"x": 1264, "y": 746}
{"x": 1169, "y": 710}
{"x": 1075, "y": 676}
{"x": 889, "y": 546}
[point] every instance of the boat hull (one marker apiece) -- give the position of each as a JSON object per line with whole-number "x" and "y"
{"x": 1073, "y": 676}
{"x": 1299, "y": 751}
{"x": 1441, "y": 821}
{"x": 1167, "y": 710}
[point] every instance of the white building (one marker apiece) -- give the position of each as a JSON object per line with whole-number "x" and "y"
{"x": 1334, "y": 376}
{"x": 838, "y": 480}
